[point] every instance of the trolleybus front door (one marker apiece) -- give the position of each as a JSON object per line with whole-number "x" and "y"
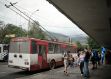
{"x": 42, "y": 57}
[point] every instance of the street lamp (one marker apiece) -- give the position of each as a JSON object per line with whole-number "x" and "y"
{"x": 30, "y": 18}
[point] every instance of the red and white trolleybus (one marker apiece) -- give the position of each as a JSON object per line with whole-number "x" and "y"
{"x": 34, "y": 54}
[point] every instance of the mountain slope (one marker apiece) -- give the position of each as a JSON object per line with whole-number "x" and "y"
{"x": 82, "y": 39}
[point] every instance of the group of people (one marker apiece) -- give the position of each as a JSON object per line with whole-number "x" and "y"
{"x": 83, "y": 59}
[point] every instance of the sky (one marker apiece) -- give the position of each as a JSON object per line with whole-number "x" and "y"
{"x": 43, "y": 12}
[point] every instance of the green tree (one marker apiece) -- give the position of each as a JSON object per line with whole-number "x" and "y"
{"x": 79, "y": 45}
{"x": 92, "y": 43}
{"x": 8, "y": 30}
{"x": 35, "y": 31}
{"x": 2, "y": 31}
{"x": 18, "y": 31}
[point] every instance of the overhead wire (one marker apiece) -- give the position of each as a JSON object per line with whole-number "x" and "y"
{"x": 17, "y": 12}
{"x": 31, "y": 19}
{"x": 28, "y": 17}
{"x": 40, "y": 18}
{"x": 44, "y": 20}
{"x": 3, "y": 17}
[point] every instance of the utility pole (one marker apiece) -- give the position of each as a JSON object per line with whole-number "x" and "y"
{"x": 12, "y": 4}
{"x": 30, "y": 22}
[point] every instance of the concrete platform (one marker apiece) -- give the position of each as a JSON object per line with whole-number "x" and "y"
{"x": 103, "y": 72}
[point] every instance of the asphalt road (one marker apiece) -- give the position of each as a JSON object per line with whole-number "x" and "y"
{"x": 12, "y": 73}
{"x": 103, "y": 72}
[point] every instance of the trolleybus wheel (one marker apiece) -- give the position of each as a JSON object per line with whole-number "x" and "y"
{"x": 52, "y": 64}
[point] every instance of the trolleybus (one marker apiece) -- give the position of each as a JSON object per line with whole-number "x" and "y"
{"x": 4, "y": 49}
{"x": 33, "y": 54}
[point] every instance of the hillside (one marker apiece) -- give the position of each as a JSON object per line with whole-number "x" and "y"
{"x": 61, "y": 37}
{"x": 81, "y": 39}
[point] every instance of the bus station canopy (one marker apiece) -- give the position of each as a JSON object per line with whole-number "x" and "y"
{"x": 91, "y": 16}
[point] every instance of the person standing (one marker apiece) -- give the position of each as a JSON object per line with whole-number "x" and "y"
{"x": 94, "y": 59}
{"x": 81, "y": 60}
{"x": 66, "y": 63}
{"x": 102, "y": 55}
{"x": 99, "y": 58}
{"x": 86, "y": 62}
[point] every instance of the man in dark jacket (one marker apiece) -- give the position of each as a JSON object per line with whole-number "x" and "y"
{"x": 86, "y": 62}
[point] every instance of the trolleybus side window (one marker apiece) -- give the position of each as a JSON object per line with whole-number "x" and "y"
{"x": 56, "y": 48}
{"x": 51, "y": 48}
{"x": 59, "y": 49}
{"x": 34, "y": 47}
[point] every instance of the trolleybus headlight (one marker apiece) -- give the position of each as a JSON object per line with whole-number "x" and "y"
{"x": 20, "y": 56}
{"x": 15, "y": 56}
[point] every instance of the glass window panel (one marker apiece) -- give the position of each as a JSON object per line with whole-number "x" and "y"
{"x": 19, "y": 47}
{"x": 42, "y": 50}
{"x": 34, "y": 47}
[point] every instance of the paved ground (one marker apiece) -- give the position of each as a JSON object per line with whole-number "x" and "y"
{"x": 103, "y": 72}
{"x": 12, "y": 73}
{"x": 55, "y": 74}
